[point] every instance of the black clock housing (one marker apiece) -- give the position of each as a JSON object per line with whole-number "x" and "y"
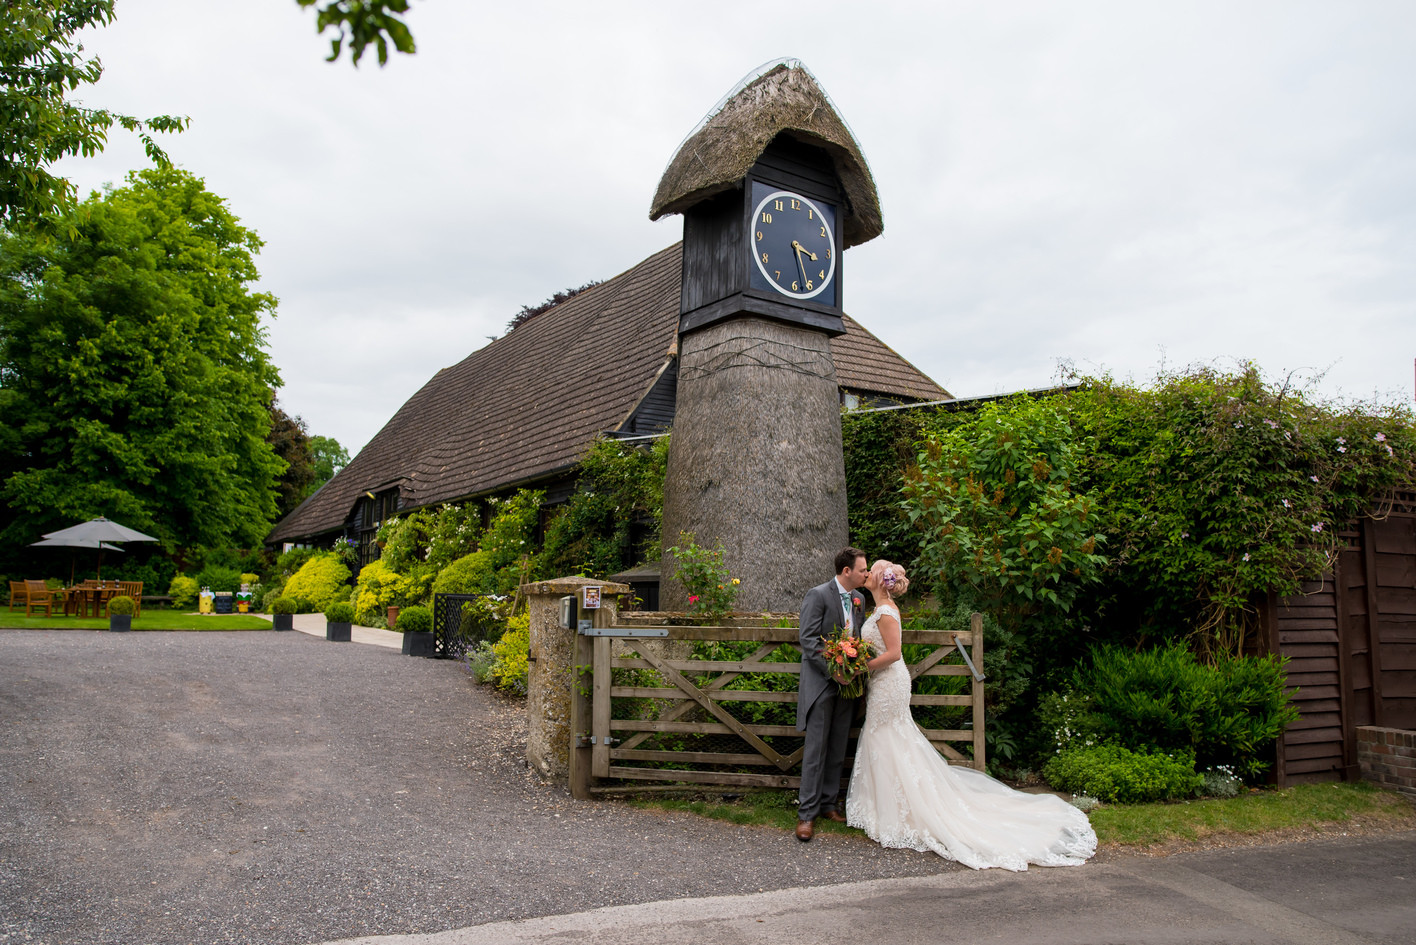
{"x": 722, "y": 272}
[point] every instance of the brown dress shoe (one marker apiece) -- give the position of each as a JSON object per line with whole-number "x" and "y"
{"x": 806, "y": 829}
{"x": 835, "y": 815}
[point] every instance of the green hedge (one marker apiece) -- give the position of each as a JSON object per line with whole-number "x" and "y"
{"x": 1118, "y": 775}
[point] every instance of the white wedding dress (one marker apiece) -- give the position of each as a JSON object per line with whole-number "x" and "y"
{"x": 904, "y": 794}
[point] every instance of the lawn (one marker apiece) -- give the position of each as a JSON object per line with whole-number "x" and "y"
{"x": 152, "y": 619}
{"x": 1254, "y": 815}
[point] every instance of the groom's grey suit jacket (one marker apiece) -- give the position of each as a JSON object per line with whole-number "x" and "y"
{"x": 821, "y": 617}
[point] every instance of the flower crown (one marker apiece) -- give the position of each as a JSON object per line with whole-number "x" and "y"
{"x": 888, "y": 579}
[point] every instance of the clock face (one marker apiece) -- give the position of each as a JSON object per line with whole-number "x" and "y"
{"x": 793, "y": 243}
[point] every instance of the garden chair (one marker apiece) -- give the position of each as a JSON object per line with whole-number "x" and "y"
{"x": 133, "y": 589}
{"x": 37, "y": 594}
{"x": 18, "y": 595}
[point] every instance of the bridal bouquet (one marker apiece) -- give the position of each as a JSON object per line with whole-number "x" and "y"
{"x": 847, "y": 656}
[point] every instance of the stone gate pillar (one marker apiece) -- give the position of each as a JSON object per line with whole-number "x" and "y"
{"x": 551, "y": 679}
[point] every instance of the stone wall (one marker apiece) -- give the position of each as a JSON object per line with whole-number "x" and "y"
{"x": 1387, "y": 757}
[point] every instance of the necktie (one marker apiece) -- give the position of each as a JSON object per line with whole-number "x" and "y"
{"x": 846, "y": 603}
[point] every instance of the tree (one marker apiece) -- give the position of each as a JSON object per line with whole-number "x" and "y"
{"x": 134, "y": 376}
{"x": 328, "y": 457}
{"x": 40, "y": 65}
{"x": 292, "y": 443}
{"x": 362, "y": 23}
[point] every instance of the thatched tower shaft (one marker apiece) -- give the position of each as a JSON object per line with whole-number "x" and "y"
{"x": 756, "y": 462}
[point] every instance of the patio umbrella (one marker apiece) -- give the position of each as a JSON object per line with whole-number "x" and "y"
{"x": 100, "y": 529}
{"x": 77, "y": 543}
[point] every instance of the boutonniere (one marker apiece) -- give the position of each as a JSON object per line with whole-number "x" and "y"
{"x": 855, "y": 601}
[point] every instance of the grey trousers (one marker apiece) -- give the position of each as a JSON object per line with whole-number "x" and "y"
{"x": 828, "y": 727}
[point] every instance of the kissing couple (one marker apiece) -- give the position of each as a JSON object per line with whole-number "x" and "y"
{"x": 903, "y": 793}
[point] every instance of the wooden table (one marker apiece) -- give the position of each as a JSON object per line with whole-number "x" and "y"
{"x": 95, "y": 598}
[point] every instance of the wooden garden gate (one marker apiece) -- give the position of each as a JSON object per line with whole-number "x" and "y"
{"x": 661, "y": 706}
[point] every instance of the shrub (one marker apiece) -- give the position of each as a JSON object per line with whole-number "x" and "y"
{"x": 269, "y": 597}
{"x": 483, "y": 621}
{"x": 415, "y": 619}
{"x": 1220, "y": 782}
{"x": 511, "y": 652}
{"x": 1164, "y": 700}
{"x": 480, "y": 661}
{"x": 376, "y": 591}
{"x": 121, "y": 606}
{"x": 711, "y": 590}
{"x": 294, "y": 559}
{"x": 339, "y": 612}
{"x": 183, "y": 590}
{"x": 281, "y": 605}
{"x": 1118, "y": 775}
{"x": 318, "y": 580}
{"x": 218, "y": 578}
{"x": 470, "y": 574}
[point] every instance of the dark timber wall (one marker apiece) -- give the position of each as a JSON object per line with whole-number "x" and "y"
{"x": 1351, "y": 643}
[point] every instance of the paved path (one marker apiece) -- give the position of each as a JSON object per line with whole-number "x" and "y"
{"x": 314, "y": 625}
{"x": 273, "y": 787}
{"x": 1360, "y": 891}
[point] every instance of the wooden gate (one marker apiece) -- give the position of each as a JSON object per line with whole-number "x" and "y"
{"x": 660, "y": 706}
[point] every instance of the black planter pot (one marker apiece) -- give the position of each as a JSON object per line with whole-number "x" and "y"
{"x": 337, "y": 632}
{"x": 282, "y": 621}
{"x": 120, "y": 622}
{"x": 418, "y": 644}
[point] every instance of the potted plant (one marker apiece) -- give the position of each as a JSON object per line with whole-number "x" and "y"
{"x": 282, "y": 614}
{"x": 120, "y": 613}
{"x": 417, "y": 626}
{"x": 339, "y": 619}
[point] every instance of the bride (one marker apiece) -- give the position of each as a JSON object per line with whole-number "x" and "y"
{"x": 904, "y": 794}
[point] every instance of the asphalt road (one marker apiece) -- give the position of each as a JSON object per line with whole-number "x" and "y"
{"x": 273, "y": 787}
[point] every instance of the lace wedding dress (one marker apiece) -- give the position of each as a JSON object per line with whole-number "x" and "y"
{"x": 904, "y": 794}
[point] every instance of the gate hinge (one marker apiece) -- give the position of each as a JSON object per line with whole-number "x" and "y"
{"x": 586, "y": 741}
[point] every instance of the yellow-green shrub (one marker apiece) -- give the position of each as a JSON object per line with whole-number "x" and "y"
{"x": 378, "y": 585}
{"x": 183, "y": 591}
{"x": 318, "y": 580}
{"x": 511, "y": 652}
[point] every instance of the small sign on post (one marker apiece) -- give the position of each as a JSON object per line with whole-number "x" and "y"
{"x": 590, "y": 599}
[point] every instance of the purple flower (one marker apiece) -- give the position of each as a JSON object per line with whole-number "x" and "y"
{"x": 1271, "y": 423}
{"x": 1314, "y": 478}
{"x": 1184, "y": 534}
{"x": 1246, "y": 556}
{"x": 1286, "y": 504}
{"x": 1342, "y": 449}
{"x": 1318, "y": 527}
{"x": 1380, "y": 438}
{"x": 1239, "y": 426}
{"x": 1341, "y": 440}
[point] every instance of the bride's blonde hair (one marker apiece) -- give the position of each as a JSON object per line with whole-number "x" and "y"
{"x": 891, "y": 576}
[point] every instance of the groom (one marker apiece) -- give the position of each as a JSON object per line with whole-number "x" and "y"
{"x": 821, "y": 712}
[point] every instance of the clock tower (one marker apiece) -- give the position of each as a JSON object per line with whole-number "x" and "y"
{"x": 773, "y": 188}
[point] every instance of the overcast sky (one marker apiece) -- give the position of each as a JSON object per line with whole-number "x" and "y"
{"x": 1124, "y": 185}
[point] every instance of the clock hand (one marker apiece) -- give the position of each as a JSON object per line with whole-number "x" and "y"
{"x": 802, "y": 249}
{"x": 801, "y": 267}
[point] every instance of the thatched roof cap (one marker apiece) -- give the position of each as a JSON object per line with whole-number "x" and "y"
{"x": 781, "y": 97}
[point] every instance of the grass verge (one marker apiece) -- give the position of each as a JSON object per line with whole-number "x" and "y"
{"x": 152, "y": 619}
{"x": 1257, "y": 815}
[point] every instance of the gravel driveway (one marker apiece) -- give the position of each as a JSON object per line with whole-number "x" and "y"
{"x": 273, "y": 787}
